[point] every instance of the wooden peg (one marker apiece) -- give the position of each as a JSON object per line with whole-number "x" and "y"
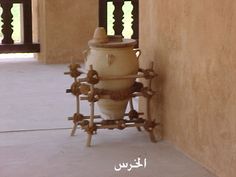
{"x": 91, "y": 122}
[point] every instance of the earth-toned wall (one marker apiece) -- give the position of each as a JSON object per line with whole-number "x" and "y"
{"x": 65, "y": 26}
{"x": 193, "y": 45}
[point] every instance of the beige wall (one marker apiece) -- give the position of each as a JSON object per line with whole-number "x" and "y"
{"x": 193, "y": 44}
{"x": 35, "y": 26}
{"x": 65, "y": 28}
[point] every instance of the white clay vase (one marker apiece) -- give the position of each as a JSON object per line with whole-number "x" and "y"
{"x": 112, "y": 56}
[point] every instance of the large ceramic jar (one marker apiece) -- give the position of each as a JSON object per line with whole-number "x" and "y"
{"x": 112, "y": 56}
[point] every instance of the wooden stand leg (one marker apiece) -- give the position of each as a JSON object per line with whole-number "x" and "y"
{"x": 78, "y": 112}
{"x": 91, "y": 123}
{"x": 89, "y": 139}
{"x": 74, "y": 129}
{"x": 152, "y": 137}
{"x": 151, "y": 133}
{"x": 132, "y": 108}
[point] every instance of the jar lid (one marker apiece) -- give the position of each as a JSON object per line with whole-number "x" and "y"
{"x": 102, "y": 40}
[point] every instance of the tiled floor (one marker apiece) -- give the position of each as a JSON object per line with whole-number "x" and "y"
{"x": 33, "y": 98}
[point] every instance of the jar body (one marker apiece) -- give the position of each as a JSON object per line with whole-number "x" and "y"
{"x": 113, "y": 62}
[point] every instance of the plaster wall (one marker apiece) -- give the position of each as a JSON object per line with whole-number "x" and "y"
{"x": 193, "y": 46}
{"x": 35, "y": 26}
{"x": 65, "y": 26}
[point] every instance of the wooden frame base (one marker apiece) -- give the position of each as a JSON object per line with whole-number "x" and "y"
{"x": 93, "y": 122}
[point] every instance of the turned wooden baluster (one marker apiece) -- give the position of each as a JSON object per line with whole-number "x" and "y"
{"x": 118, "y": 16}
{"x": 135, "y": 23}
{"x": 7, "y": 19}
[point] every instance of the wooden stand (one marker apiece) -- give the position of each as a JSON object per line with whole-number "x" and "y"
{"x": 85, "y": 89}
